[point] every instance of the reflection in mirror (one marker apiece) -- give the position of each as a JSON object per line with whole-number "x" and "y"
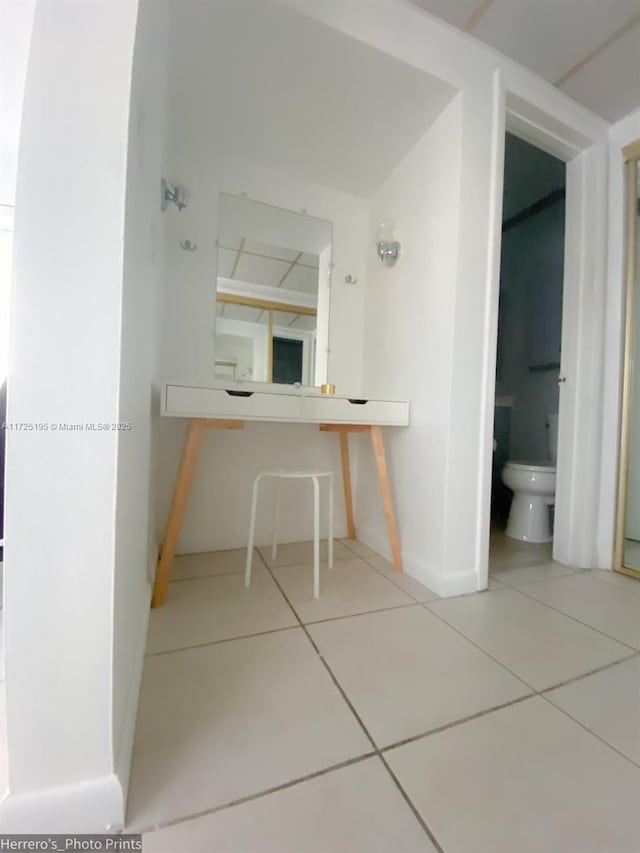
{"x": 629, "y": 558}
{"x": 272, "y": 298}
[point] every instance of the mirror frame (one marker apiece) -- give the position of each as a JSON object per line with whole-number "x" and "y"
{"x": 631, "y": 155}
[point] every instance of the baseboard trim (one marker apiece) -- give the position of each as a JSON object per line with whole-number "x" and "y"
{"x": 86, "y": 807}
{"x": 460, "y": 583}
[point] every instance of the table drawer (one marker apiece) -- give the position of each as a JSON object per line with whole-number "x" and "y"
{"x": 217, "y": 403}
{"x": 339, "y": 410}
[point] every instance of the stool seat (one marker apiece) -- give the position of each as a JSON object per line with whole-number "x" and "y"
{"x": 313, "y": 475}
{"x": 295, "y": 473}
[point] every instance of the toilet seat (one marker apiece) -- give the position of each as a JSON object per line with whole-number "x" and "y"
{"x": 525, "y": 465}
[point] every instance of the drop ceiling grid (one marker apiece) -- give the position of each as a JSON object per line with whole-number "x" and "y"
{"x": 610, "y": 82}
{"x": 551, "y": 37}
{"x": 241, "y": 261}
{"x": 588, "y": 48}
{"x": 458, "y": 13}
{"x": 263, "y": 271}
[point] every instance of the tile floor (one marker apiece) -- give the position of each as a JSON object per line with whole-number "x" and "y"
{"x": 381, "y": 717}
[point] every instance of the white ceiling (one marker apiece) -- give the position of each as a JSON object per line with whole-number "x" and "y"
{"x": 257, "y": 81}
{"x": 588, "y": 48}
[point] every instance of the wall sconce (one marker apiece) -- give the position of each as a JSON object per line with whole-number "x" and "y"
{"x": 388, "y": 248}
{"x": 177, "y": 194}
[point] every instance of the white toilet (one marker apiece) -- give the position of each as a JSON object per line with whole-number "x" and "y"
{"x": 534, "y": 488}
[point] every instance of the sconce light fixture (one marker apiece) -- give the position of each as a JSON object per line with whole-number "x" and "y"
{"x": 388, "y": 248}
{"x": 177, "y": 194}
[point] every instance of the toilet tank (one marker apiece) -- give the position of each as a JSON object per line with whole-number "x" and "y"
{"x": 552, "y": 437}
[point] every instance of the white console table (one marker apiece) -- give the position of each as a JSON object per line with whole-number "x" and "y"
{"x": 228, "y": 406}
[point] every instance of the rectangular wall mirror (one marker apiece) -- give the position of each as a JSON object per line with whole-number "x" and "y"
{"x": 272, "y": 294}
{"x": 628, "y": 535}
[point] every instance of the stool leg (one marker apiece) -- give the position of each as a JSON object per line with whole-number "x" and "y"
{"x": 316, "y": 538}
{"x": 330, "y": 521}
{"x": 252, "y": 530}
{"x": 276, "y": 522}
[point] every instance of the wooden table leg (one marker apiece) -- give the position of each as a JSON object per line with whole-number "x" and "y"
{"x": 387, "y": 499}
{"x": 346, "y": 481}
{"x": 188, "y": 464}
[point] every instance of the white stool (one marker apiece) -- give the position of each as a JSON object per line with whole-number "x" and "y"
{"x": 312, "y": 474}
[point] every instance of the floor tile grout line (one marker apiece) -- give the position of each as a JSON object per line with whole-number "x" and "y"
{"x": 283, "y": 628}
{"x": 412, "y": 603}
{"x": 411, "y": 805}
{"x": 587, "y": 573}
{"x": 241, "y": 570}
{"x": 579, "y": 621}
{"x": 364, "y": 559}
{"x": 378, "y": 751}
{"x": 322, "y": 659}
{"x": 208, "y": 577}
{"x": 301, "y": 563}
{"x": 570, "y": 570}
{"x": 357, "y": 717}
{"x": 389, "y": 578}
{"x": 595, "y": 671}
{"x": 537, "y": 580}
{"x": 492, "y": 575}
{"x": 424, "y": 604}
{"x": 309, "y": 562}
{"x": 257, "y": 796}
{"x": 221, "y": 641}
{"x": 590, "y": 731}
{"x": 536, "y": 691}
{"x": 473, "y": 643}
{"x": 551, "y": 607}
{"x": 452, "y": 724}
{"x": 363, "y": 613}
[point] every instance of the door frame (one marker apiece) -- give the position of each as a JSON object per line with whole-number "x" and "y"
{"x": 631, "y": 158}
{"x": 583, "y": 327}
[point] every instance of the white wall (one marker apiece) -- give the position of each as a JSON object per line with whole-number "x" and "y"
{"x": 16, "y": 21}
{"x": 531, "y": 280}
{"x": 135, "y": 551}
{"x": 218, "y": 516}
{"x": 61, "y": 553}
{"x": 65, "y": 367}
{"x": 494, "y": 91}
{"x": 409, "y": 345}
{"x": 490, "y": 86}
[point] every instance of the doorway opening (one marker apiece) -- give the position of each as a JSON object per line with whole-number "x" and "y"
{"x": 287, "y": 360}
{"x": 528, "y": 360}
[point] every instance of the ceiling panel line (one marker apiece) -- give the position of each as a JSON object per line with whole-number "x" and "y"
{"x": 598, "y": 50}
{"x": 237, "y": 260}
{"x": 477, "y": 15}
{"x": 292, "y": 265}
{"x": 268, "y": 257}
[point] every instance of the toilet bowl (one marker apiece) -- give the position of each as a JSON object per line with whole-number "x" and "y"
{"x": 533, "y": 484}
